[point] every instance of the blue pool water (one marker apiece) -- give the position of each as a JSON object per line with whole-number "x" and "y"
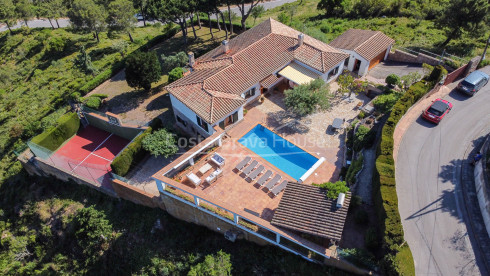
{"x": 279, "y": 152}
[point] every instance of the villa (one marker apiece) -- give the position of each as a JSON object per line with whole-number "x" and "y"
{"x": 243, "y": 172}
{"x": 267, "y": 57}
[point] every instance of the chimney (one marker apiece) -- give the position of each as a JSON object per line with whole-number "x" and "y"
{"x": 340, "y": 200}
{"x": 301, "y": 38}
{"x": 191, "y": 59}
{"x": 226, "y": 46}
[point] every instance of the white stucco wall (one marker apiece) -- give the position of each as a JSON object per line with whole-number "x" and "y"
{"x": 257, "y": 93}
{"x": 363, "y": 68}
{"x": 340, "y": 65}
{"x": 189, "y": 115}
{"x": 240, "y": 115}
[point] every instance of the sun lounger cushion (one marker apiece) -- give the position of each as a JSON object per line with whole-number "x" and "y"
{"x": 279, "y": 188}
{"x": 273, "y": 181}
{"x": 256, "y": 172}
{"x": 250, "y": 167}
{"x": 243, "y": 163}
{"x": 264, "y": 177}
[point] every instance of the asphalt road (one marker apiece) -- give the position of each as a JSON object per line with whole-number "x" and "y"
{"x": 65, "y": 22}
{"x": 428, "y": 177}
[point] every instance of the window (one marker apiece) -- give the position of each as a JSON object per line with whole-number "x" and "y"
{"x": 346, "y": 62}
{"x": 333, "y": 72}
{"x": 250, "y": 93}
{"x": 182, "y": 121}
{"x": 202, "y": 123}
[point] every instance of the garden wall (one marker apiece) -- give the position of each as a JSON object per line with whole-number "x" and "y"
{"x": 136, "y": 195}
{"x": 402, "y": 56}
{"x": 126, "y": 131}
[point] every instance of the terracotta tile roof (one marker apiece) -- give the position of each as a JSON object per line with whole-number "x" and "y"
{"x": 269, "y": 81}
{"x": 306, "y": 208}
{"x": 253, "y": 56}
{"x": 368, "y": 44}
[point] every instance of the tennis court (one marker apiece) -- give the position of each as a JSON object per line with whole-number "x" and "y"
{"x": 89, "y": 154}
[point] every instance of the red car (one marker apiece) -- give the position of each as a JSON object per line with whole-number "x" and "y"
{"x": 437, "y": 110}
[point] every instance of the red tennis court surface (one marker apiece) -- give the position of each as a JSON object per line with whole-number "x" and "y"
{"x": 89, "y": 154}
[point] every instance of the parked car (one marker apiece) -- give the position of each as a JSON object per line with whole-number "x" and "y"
{"x": 473, "y": 82}
{"x": 139, "y": 17}
{"x": 437, "y": 110}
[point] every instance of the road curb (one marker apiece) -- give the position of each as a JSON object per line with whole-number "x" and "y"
{"x": 472, "y": 208}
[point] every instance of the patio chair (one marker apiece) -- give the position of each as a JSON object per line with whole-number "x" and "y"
{"x": 194, "y": 179}
{"x": 256, "y": 173}
{"x": 243, "y": 163}
{"x": 279, "y": 188}
{"x": 273, "y": 182}
{"x": 264, "y": 178}
{"x": 250, "y": 167}
{"x": 218, "y": 160}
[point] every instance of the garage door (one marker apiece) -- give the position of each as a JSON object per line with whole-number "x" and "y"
{"x": 377, "y": 60}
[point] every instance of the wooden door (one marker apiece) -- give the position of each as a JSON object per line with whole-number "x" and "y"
{"x": 377, "y": 60}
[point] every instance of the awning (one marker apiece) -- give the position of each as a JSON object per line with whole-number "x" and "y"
{"x": 298, "y": 74}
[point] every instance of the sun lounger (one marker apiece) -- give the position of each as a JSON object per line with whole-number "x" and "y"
{"x": 242, "y": 164}
{"x": 273, "y": 182}
{"x": 279, "y": 188}
{"x": 264, "y": 177}
{"x": 256, "y": 172}
{"x": 250, "y": 167}
{"x": 194, "y": 179}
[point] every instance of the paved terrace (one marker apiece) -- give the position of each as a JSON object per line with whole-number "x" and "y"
{"x": 232, "y": 192}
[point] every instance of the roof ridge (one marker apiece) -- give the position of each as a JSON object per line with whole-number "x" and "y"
{"x": 367, "y": 40}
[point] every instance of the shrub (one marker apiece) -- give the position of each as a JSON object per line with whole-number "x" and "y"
{"x": 142, "y": 69}
{"x": 359, "y": 257}
{"x": 361, "y": 115}
{"x": 307, "y": 98}
{"x": 219, "y": 264}
{"x": 66, "y": 126}
{"x": 354, "y": 168}
{"x": 160, "y": 142}
{"x": 385, "y": 102}
{"x": 364, "y": 137}
{"x": 75, "y": 96}
{"x": 483, "y": 63}
{"x": 93, "y": 102}
{"x": 392, "y": 80}
{"x": 170, "y": 62}
{"x": 175, "y": 74}
{"x": 283, "y": 18}
{"x": 334, "y": 188}
{"x": 101, "y": 96}
{"x": 437, "y": 74}
{"x": 361, "y": 217}
{"x": 92, "y": 231}
{"x": 130, "y": 155}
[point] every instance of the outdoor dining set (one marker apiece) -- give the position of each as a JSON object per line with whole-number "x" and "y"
{"x": 251, "y": 169}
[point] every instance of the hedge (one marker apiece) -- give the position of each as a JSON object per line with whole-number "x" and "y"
{"x": 66, "y": 126}
{"x": 118, "y": 66}
{"x": 384, "y": 184}
{"x": 130, "y": 155}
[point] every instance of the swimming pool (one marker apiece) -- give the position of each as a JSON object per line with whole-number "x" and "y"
{"x": 278, "y": 151}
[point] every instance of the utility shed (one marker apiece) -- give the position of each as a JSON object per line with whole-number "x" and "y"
{"x": 307, "y": 209}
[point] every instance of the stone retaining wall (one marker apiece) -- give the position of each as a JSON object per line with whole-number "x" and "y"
{"x": 482, "y": 185}
{"x": 402, "y": 56}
